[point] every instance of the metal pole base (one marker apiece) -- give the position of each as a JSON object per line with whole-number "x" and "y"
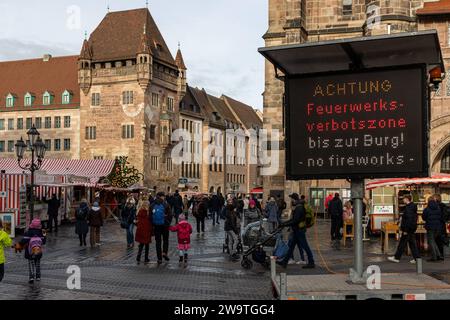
{"x": 356, "y": 279}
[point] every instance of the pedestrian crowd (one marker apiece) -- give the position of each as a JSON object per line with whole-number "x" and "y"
{"x": 153, "y": 219}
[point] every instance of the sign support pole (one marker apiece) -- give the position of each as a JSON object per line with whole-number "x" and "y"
{"x": 357, "y": 274}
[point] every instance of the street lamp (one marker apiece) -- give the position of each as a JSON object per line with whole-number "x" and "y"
{"x": 37, "y": 148}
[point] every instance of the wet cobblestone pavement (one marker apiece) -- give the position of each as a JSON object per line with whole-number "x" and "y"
{"x": 110, "y": 271}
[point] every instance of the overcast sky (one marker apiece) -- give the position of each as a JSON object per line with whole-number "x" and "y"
{"x": 219, "y": 38}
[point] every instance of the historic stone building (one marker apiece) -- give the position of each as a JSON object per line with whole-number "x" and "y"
{"x": 130, "y": 91}
{"x": 42, "y": 92}
{"x": 191, "y": 121}
{"x": 298, "y": 21}
{"x": 247, "y": 148}
{"x": 125, "y": 95}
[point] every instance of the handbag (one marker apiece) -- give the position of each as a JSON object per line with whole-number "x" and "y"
{"x": 124, "y": 225}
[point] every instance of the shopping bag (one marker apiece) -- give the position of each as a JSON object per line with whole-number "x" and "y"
{"x": 281, "y": 248}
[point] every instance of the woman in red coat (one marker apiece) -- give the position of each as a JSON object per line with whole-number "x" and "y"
{"x": 144, "y": 231}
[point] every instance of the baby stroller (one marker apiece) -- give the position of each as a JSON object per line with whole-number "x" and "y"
{"x": 257, "y": 238}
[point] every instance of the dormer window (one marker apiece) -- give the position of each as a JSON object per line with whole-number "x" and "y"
{"x": 29, "y": 99}
{"x": 47, "y": 98}
{"x": 67, "y": 97}
{"x": 10, "y": 100}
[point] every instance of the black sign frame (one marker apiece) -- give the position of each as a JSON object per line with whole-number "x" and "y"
{"x": 425, "y": 156}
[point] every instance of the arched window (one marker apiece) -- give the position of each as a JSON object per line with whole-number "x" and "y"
{"x": 445, "y": 162}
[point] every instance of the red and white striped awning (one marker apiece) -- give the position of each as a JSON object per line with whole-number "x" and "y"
{"x": 438, "y": 178}
{"x": 92, "y": 169}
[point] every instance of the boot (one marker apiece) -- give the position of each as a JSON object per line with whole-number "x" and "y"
{"x": 181, "y": 260}
{"x": 185, "y": 260}
{"x": 337, "y": 245}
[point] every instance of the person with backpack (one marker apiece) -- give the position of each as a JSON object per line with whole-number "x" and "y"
{"x": 433, "y": 218}
{"x": 81, "y": 223}
{"x": 128, "y": 215}
{"x": 161, "y": 217}
{"x": 95, "y": 223}
{"x": 33, "y": 241}
{"x": 144, "y": 231}
{"x": 301, "y": 220}
{"x": 184, "y": 231}
{"x": 5, "y": 241}
{"x": 408, "y": 227}
{"x": 336, "y": 211}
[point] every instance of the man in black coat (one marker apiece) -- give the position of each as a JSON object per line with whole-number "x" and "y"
{"x": 298, "y": 233}
{"x": 177, "y": 205}
{"x": 335, "y": 208}
{"x": 215, "y": 205}
{"x": 52, "y": 212}
{"x": 408, "y": 227}
{"x": 434, "y": 224}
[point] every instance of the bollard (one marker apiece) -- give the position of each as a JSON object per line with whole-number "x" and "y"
{"x": 419, "y": 266}
{"x": 273, "y": 267}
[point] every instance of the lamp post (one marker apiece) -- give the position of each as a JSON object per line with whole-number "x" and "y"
{"x": 37, "y": 148}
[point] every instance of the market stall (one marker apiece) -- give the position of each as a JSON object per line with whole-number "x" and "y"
{"x": 387, "y": 196}
{"x": 56, "y": 176}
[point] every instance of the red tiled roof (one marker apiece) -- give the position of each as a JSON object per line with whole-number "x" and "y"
{"x": 222, "y": 108}
{"x": 37, "y": 76}
{"x": 434, "y": 8}
{"x": 244, "y": 112}
{"x": 118, "y": 37}
{"x": 207, "y": 108}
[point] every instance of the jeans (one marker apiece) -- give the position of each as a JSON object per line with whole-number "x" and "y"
{"x": 147, "y": 249}
{"x": 95, "y": 235}
{"x": 232, "y": 241}
{"x": 52, "y": 220}
{"x": 2, "y": 271}
{"x": 292, "y": 242}
{"x": 34, "y": 268}
{"x": 336, "y": 225}
{"x": 130, "y": 234}
{"x": 406, "y": 239}
{"x": 435, "y": 243}
{"x": 200, "y": 224}
{"x": 215, "y": 217}
{"x": 299, "y": 237}
{"x": 161, "y": 237}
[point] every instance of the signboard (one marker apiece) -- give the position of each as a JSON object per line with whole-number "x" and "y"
{"x": 364, "y": 124}
{"x": 383, "y": 209}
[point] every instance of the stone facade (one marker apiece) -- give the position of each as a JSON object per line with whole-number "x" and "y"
{"x": 298, "y": 21}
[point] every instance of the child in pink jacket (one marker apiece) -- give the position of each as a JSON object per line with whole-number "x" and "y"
{"x": 184, "y": 230}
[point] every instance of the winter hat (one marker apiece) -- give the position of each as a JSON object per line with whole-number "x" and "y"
{"x": 182, "y": 217}
{"x": 36, "y": 224}
{"x": 252, "y": 203}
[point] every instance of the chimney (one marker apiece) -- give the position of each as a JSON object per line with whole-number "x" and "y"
{"x": 47, "y": 57}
